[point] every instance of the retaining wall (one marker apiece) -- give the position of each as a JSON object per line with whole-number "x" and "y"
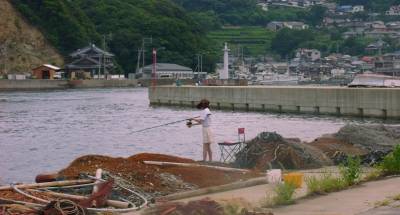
{"x": 101, "y": 83}
{"x": 11, "y": 85}
{"x": 15, "y": 85}
{"x": 340, "y": 101}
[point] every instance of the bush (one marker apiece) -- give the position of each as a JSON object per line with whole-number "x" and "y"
{"x": 232, "y": 209}
{"x": 284, "y": 194}
{"x": 391, "y": 163}
{"x": 351, "y": 170}
{"x": 374, "y": 174}
{"x": 326, "y": 184}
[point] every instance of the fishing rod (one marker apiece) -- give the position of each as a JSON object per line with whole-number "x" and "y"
{"x": 170, "y": 123}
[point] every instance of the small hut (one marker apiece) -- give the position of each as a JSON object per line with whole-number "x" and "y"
{"x": 45, "y": 71}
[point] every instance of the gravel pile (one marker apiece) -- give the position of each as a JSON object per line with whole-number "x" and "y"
{"x": 372, "y": 138}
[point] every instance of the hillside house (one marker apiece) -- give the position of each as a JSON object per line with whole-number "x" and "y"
{"x": 376, "y": 25}
{"x": 88, "y": 62}
{"x": 263, "y": 6}
{"x": 376, "y": 46}
{"x": 393, "y": 11}
{"x": 393, "y": 26}
{"x": 295, "y": 25}
{"x": 358, "y": 9}
{"x": 344, "y": 9}
{"x": 388, "y": 64}
{"x": 308, "y": 54}
{"x": 276, "y": 25}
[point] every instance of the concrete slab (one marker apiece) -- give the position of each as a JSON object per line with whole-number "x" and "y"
{"x": 349, "y": 202}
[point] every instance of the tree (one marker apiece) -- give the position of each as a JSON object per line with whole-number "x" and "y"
{"x": 287, "y": 41}
{"x": 316, "y": 15}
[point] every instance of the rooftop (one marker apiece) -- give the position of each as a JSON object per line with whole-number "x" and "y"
{"x": 90, "y": 50}
{"x": 168, "y": 67}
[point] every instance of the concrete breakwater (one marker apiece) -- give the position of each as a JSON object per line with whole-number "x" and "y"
{"x": 15, "y": 85}
{"x": 341, "y": 101}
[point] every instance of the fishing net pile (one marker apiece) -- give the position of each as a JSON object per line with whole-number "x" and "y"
{"x": 271, "y": 150}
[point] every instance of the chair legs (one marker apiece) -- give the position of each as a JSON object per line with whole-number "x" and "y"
{"x": 228, "y": 153}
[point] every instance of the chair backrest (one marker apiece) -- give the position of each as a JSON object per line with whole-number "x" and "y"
{"x": 241, "y": 135}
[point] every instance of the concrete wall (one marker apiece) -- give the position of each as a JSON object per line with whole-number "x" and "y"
{"x": 10, "y": 85}
{"x": 14, "y": 85}
{"x": 102, "y": 83}
{"x": 362, "y": 102}
{"x": 162, "y": 82}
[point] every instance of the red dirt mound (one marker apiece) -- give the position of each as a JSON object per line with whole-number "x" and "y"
{"x": 150, "y": 177}
{"x": 159, "y": 157}
{"x": 337, "y": 149}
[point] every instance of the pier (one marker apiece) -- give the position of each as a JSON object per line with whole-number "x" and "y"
{"x": 340, "y": 101}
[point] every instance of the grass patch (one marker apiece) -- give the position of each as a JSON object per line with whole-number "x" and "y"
{"x": 351, "y": 170}
{"x": 232, "y": 209}
{"x": 350, "y": 174}
{"x": 383, "y": 203}
{"x": 396, "y": 198}
{"x": 326, "y": 184}
{"x": 374, "y": 174}
{"x": 391, "y": 163}
{"x": 283, "y": 195}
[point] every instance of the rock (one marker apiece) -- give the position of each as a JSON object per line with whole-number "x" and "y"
{"x": 371, "y": 138}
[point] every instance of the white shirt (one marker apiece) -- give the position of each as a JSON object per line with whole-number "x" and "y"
{"x": 205, "y": 116}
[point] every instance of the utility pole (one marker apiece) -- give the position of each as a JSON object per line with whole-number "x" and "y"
{"x": 154, "y": 72}
{"x": 5, "y": 58}
{"x": 104, "y": 57}
{"x": 197, "y": 66}
{"x": 138, "y": 60}
{"x": 99, "y": 73}
{"x": 145, "y": 40}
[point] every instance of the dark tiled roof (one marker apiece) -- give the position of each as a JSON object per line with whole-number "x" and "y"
{"x": 88, "y": 49}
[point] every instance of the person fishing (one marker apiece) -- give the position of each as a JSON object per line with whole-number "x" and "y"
{"x": 205, "y": 120}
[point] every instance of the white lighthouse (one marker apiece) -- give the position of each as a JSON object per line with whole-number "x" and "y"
{"x": 225, "y": 72}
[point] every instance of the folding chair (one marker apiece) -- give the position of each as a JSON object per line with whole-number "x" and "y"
{"x": 229, "y": 150}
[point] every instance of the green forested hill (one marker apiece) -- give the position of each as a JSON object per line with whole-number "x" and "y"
{"x": 227, "y": 12}
{"x": 72, "y": 24}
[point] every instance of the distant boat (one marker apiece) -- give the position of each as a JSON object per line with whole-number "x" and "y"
{"x": 374, "y": 80}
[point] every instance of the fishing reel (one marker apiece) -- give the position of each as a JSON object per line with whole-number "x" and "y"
{"x": 189, "y": 123}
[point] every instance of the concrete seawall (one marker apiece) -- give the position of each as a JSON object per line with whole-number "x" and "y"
{"x": 340, "y": 101}
{"x": 15, "y": 85}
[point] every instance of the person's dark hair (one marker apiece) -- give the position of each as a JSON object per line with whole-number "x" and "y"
{"x": 204, "y": 103}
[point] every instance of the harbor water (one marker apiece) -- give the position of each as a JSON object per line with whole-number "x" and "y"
{"x": 45, "y": 131}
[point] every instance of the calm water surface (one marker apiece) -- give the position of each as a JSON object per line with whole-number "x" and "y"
{"x": 45, "y": 131}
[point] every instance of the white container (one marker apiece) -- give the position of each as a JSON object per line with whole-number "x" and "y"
{"x": 274, "y": 176}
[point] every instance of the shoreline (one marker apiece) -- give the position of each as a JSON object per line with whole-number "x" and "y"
{"x": 39, "y": 85}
